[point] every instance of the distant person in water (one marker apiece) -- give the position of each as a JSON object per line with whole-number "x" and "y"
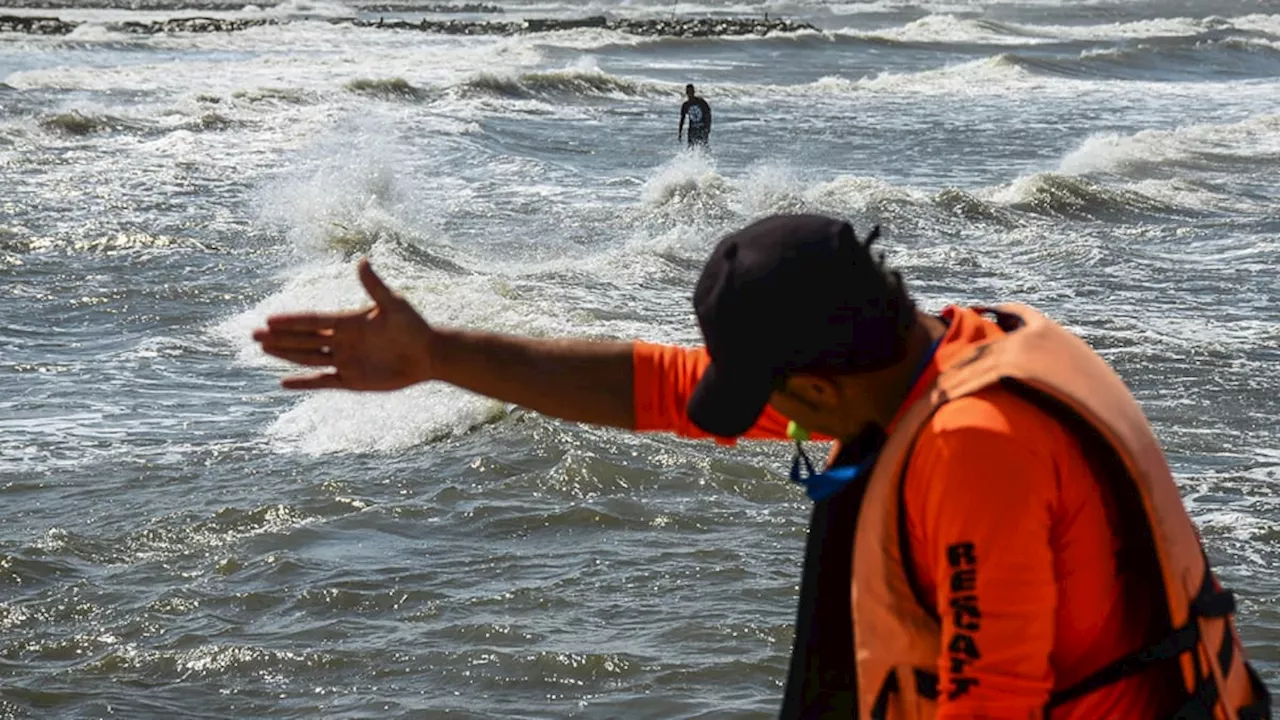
{"x": 699, "y": 114}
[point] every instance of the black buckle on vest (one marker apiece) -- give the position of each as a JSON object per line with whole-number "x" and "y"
{"x": 1213, "y": 603}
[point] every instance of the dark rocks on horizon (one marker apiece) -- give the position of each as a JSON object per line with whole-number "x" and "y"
{"x": 35, "y": 25}
{"x": 442, "y": 8}
{"x": 675, "y": 27}
{"x": 708, "y": 27}
{"x": 191, "y": 24}
{"x": 56, "y": 26}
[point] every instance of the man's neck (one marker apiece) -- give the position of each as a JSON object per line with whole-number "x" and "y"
{"x": 927, "y": 331}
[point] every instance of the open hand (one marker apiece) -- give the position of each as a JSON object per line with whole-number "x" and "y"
{"x": 385, "y": 347}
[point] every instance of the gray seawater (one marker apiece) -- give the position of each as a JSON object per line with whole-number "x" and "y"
{"x": 181, "y": 538}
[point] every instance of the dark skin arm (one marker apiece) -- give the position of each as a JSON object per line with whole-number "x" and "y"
{"x": 390, "y": 346}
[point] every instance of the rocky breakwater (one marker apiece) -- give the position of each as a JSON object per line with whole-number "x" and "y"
{"x": 191, "y": 24}
{"x": 707, "y": 27}
{"x": 433, "y": 8}
{"x": 56, "y": 26}
{"x": 36, "y": 25}
{"x": 675, "y": 27}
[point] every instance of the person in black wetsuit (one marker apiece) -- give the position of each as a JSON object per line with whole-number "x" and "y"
{"x": 698, "y": 113}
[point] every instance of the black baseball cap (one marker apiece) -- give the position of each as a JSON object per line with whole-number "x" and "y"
{"x": 790, "y": 293}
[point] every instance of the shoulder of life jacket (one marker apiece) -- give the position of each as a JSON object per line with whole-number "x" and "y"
{"x": 898, "y": 640}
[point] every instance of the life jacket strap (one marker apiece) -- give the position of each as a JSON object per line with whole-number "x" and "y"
{"x": 1210, "y": 602}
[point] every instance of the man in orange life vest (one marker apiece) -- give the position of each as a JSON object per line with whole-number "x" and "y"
{"x": 997, "y": 534}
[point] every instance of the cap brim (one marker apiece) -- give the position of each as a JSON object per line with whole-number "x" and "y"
{"x": 728, "y": 405}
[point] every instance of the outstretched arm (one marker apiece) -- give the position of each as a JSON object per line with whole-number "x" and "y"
{"x": 577, "y": 380}
{"x": 636, "y": 386}
{"x": 390, "y": 346}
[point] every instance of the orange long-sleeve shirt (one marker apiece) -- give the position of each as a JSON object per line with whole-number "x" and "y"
{"x": 998, "y": 472}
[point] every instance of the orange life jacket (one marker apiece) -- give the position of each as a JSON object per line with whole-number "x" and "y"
{"x": 897, "y": 640}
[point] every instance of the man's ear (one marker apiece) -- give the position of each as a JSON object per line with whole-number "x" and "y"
{"x": 815, "y": 391}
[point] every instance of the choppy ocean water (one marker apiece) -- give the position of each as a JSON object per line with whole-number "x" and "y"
{"x": 180, "y": 538}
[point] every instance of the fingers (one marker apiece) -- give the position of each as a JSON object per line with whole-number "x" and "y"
{"x": 314, "y": 358}
{"x": 318, "y": 322}
{"x": 373, "y": 285}
{"x": 318, "y": 381}
{"x": 304, "y": 322}
{"x": 279, "y": 340}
